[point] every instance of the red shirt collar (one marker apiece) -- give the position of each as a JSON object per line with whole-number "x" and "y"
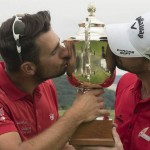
{"x": 9, "y": 87}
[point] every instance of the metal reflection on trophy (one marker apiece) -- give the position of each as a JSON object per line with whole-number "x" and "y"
{"x": 87, "y": 69}
{"x": 90, "y": 44}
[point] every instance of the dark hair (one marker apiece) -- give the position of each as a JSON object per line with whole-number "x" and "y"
{"x": 35, "y": 25}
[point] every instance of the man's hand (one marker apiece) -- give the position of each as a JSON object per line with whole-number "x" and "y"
{"x": 68, "y": 147}
{"x": 88, "y": 106}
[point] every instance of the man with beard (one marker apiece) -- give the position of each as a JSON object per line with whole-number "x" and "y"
{"x": 130, "y": 44}
{"x": 29, "y": 118}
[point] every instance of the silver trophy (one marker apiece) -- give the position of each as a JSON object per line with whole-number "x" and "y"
{"x": 89, "y": 68}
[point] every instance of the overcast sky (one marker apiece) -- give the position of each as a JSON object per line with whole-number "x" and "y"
{"x": 66, "y": 14}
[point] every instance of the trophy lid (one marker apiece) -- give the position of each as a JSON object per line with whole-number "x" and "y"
{"x": 96, "y": 27}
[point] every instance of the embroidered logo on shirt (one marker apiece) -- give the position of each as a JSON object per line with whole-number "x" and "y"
{"x": 24, "y": 127}
{"x": 2, "y": 117}
{"x": 143, "y": 134}
{"x": 51, "y": 116}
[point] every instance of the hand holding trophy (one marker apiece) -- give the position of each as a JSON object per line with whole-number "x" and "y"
{"x": 89, "y": 69}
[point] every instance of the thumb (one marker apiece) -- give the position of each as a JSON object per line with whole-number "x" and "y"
{"x": 118, "y": 143}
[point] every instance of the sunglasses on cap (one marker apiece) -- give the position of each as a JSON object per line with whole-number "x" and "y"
{"x": 18, "y": 30}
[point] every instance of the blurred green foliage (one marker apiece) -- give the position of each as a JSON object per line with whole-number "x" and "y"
{"x": 66, "y": 94}
{"x": 61, "y": 112}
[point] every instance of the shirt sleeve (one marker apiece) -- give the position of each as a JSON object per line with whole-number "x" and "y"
{"x": 6, "y": 124}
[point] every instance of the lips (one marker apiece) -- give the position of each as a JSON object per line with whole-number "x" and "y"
{"x": 65, "y": 65}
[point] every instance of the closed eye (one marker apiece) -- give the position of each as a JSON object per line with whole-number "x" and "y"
{"x": 59, "y": 46}
{"x": 53, "y": 52}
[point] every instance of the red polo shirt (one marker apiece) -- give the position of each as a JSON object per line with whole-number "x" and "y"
{"x": 28, "y": 115}
{"x": 132, "y": 114}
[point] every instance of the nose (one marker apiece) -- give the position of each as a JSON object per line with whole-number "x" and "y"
{"x": 64, "y": 53}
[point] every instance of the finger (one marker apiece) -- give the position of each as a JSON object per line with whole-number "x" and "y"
{"x": 69, "y": 44}
{"x": 100, "y": 100}
{"x": 115, "y": 125}
{"x": 101, "y": 105}
{"x": 115, "y": 134}
{"x": 96, "y": 92}
{"x": 117, "y": 140}
{"x": 104, "y": 112}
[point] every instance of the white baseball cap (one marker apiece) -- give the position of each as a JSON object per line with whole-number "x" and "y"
{"x": 130, "y": 39}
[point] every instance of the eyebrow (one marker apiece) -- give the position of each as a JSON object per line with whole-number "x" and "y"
{"x": 56, "y": 46}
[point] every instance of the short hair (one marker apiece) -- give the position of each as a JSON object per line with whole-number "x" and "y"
{"x": 35, "y": 25}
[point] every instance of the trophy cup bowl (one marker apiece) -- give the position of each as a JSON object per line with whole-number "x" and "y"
{"x": 89, "y": 68}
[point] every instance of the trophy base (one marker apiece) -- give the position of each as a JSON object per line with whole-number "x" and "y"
{"x": 95, "y": 133}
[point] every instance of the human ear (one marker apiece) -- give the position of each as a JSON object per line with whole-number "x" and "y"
{"x": 28, "y": 68}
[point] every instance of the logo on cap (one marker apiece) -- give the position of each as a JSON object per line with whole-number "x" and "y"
{"x": 125, "y": 52}
{"x": 133, "y": 26}
{"x": 140, "y": 21}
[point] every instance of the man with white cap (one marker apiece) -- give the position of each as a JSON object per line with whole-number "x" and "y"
{"x": 130, "y": 42}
